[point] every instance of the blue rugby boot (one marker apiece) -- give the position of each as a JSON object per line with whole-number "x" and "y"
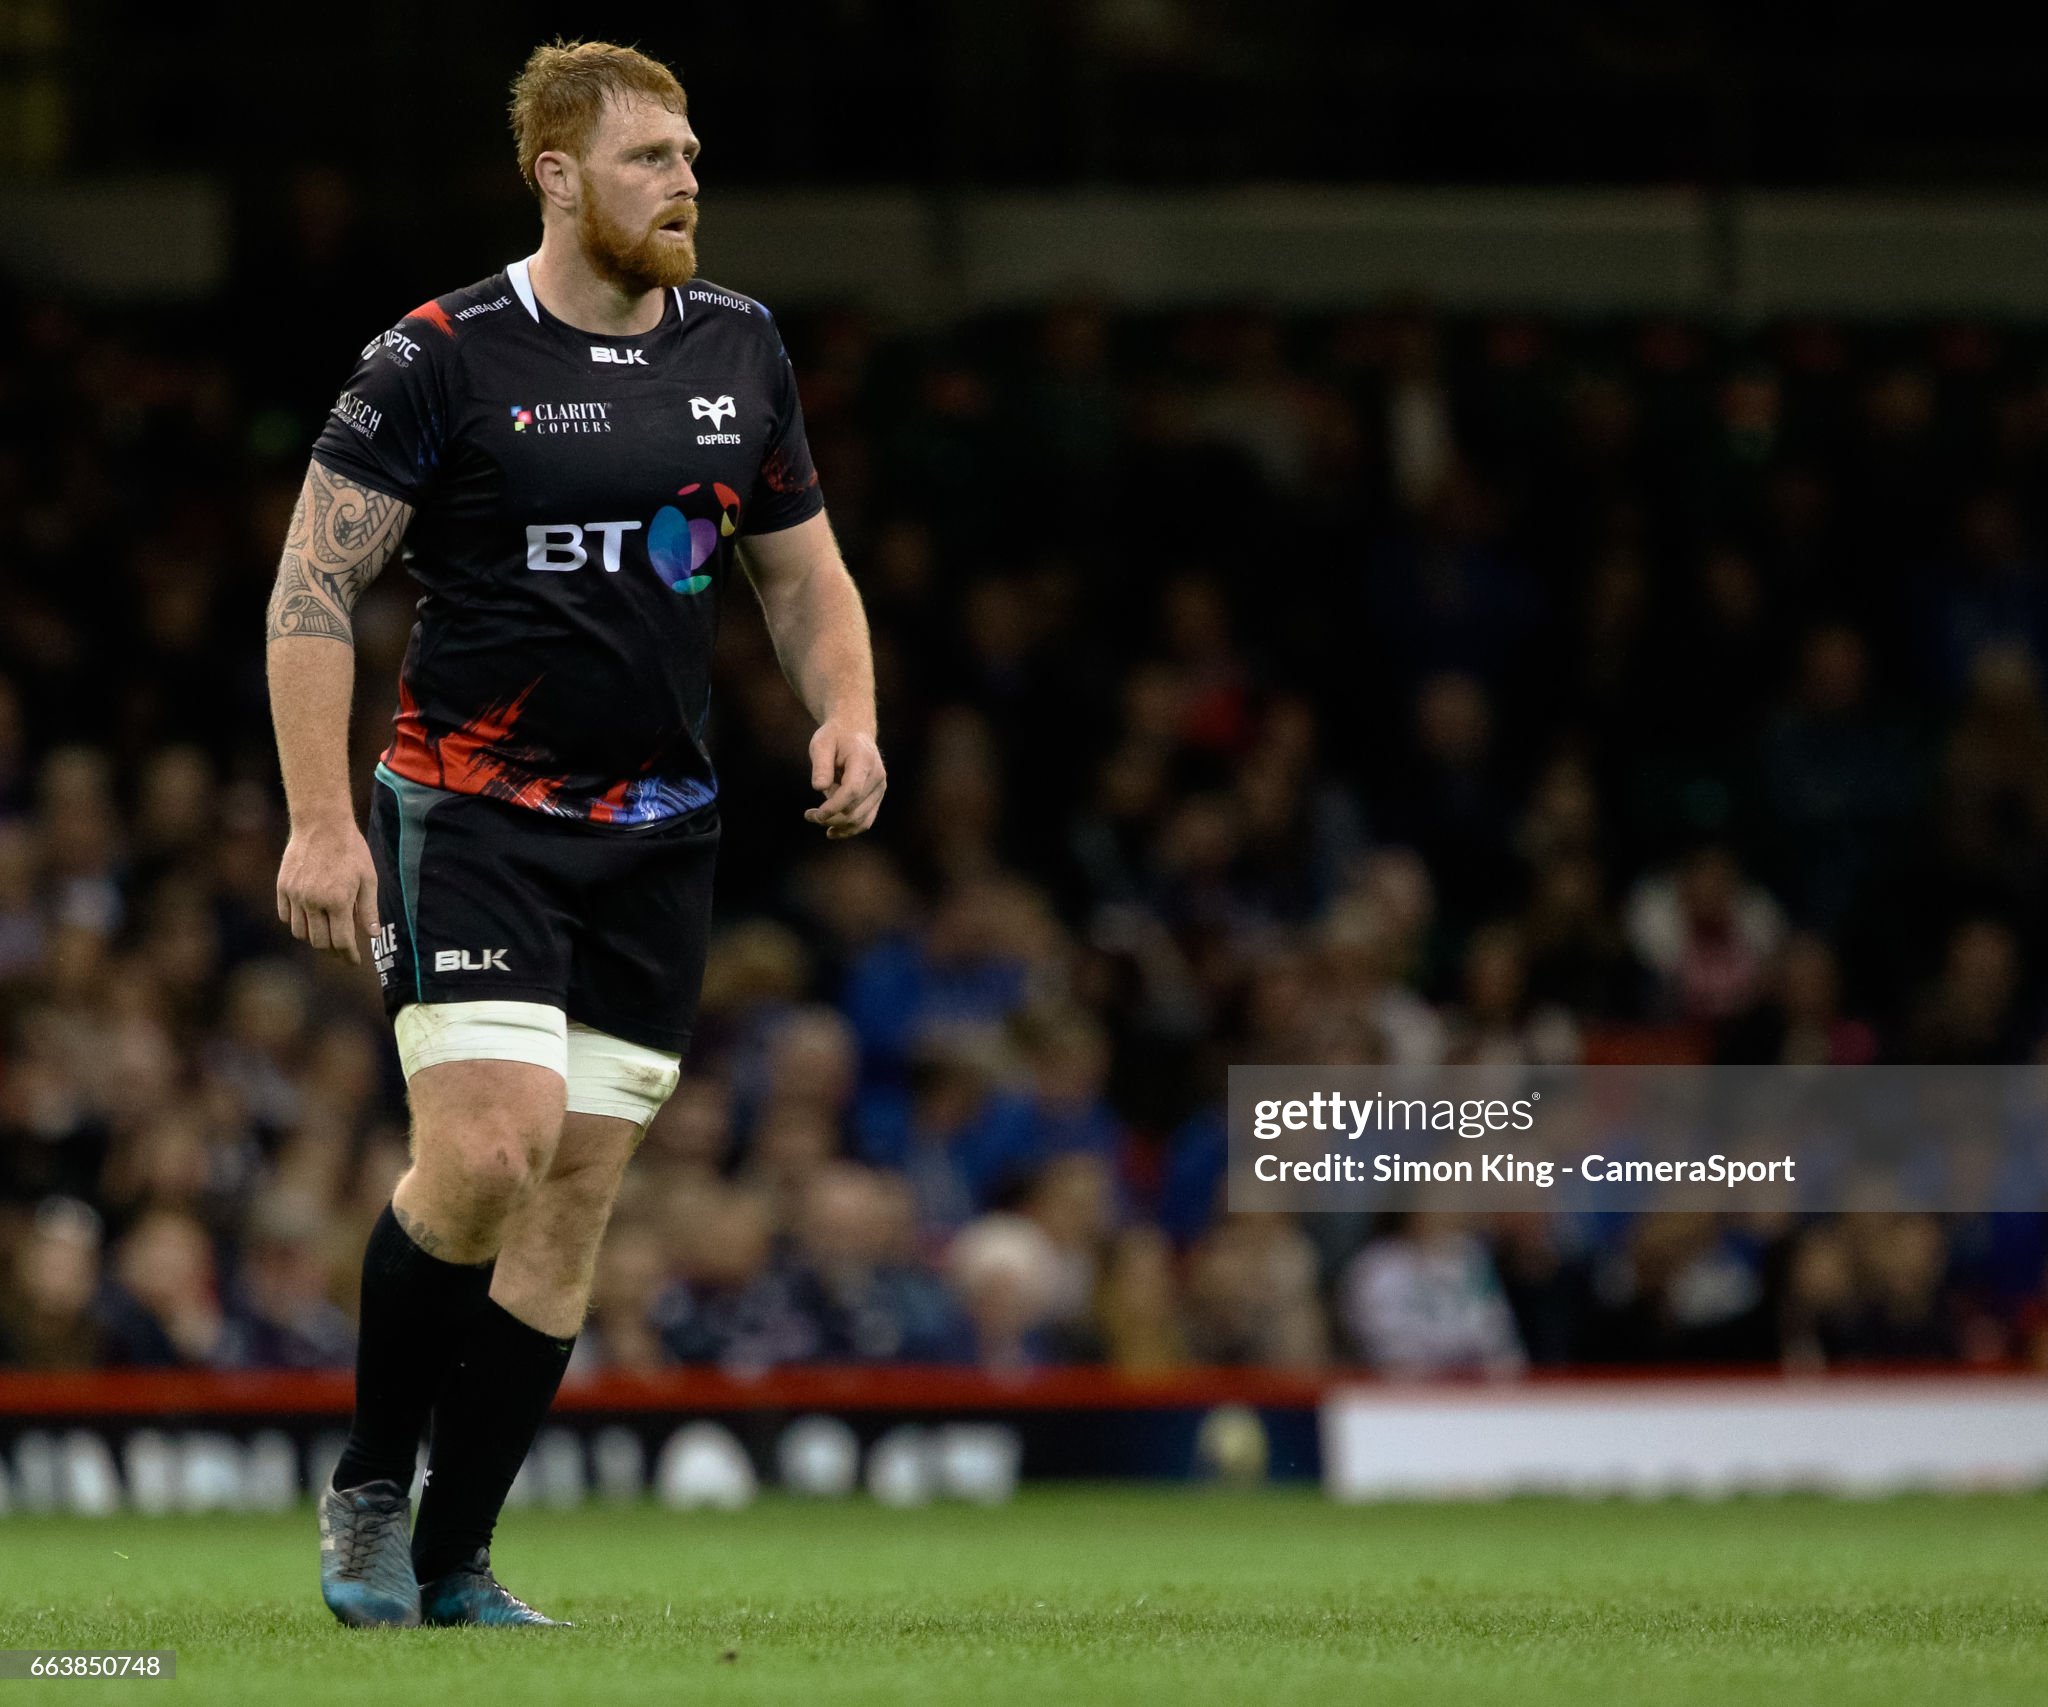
{"x": 469, "y": 1594}
{"x": 366, "y": 1556}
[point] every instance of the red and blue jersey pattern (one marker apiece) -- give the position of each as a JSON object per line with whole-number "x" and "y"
{"x": 577, "y": 503}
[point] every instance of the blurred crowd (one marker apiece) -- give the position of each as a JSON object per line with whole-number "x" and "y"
{"x": 1371, "y": 687}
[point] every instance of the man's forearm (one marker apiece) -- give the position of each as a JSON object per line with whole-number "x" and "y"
{"x": 311, "y": 684}
{"x": 821, "y": 637}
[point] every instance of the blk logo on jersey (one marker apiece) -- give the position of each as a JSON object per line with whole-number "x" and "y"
{"x": 618, "y": 358}
{"x": 678, "y": 545}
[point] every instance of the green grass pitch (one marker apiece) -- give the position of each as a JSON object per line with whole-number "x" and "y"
{"x": 1101, "y": 1595}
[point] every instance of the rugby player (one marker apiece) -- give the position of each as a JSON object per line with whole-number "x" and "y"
{"x": 571, "y": 453}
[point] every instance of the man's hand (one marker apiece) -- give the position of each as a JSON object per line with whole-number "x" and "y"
{"x": 846, "y": 767}
{"x": 327, "y": 890}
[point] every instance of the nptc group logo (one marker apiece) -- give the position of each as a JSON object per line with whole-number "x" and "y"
{"x": 678, "y": 545}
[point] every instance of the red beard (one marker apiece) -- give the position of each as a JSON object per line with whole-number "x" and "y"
{"x": 637, "y": 262}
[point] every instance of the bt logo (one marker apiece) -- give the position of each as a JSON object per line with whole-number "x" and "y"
{"x": 678, "y": 546}
{"x": 561, "y": 547}
{"x": 623, "y": 358}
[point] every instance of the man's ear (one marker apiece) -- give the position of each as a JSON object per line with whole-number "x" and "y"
{"x": 557, "y": 175}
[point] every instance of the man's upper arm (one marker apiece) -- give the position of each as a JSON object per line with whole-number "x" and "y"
{"x": 785, "y": 492}
{"x": 342, "y": 535}
{"x": 779, "y": 561}
{"x": 373, "y": 464}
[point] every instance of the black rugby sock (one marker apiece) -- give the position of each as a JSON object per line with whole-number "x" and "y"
{"x": 485, "y": 1418}
{"x": 416, "y": 1310}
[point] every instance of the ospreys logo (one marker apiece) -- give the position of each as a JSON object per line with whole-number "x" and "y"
{"x": 715, "y": 410}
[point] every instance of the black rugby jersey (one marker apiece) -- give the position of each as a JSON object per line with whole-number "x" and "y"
{"x": 576, "y": 502}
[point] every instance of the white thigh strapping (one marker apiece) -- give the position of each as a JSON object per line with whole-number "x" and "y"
{"x": 605, "y": 1074}
{"x": 611, "y": 1076}
{"x": 432, "y": 1032}
{"x": 608, "y": 1075}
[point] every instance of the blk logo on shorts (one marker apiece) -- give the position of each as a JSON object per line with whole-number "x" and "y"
{"x": 470, "y": 960}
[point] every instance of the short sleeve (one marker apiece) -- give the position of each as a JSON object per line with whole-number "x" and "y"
{"x": 786, "y": 490}
{"x": 385, "y": 430}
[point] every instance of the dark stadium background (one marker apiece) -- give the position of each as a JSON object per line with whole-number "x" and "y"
{"x": 1381, "y": 678}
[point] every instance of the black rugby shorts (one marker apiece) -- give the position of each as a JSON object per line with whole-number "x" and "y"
{"x": 480, "y": 900}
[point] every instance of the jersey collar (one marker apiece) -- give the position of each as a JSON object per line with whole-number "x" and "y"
{"x": 519, "y": 272}
{"x": 522, "y": 284}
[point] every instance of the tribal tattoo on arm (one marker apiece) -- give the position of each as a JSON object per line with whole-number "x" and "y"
{"x": 341, "y": 537}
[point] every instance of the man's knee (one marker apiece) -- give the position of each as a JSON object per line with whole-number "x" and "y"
{"x": 584, "y": 1178}
{"x": 551, "y": 1240}
{"x": 492, "y": 1161}
{"x": 486, "y": 1131}
{"x": 579, "y": 1198}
